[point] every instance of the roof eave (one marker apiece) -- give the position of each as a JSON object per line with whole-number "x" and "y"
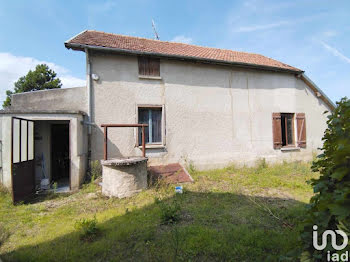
{"x": 10, "y": 111}
{"x": 82, "y": 47}
{"x": 316, "y": 90}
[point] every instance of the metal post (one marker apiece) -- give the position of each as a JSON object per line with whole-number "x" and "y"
{"x": 143, "y": 142}
{"x": 105, "y": 126}
{"x": 105, "y": 144}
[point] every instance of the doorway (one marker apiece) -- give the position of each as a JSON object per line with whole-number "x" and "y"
{"x": 22, "y": 159}
{"x": 60, "y": 157}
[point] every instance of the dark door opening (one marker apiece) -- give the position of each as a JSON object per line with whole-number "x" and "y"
{"x": 60, "y": 158}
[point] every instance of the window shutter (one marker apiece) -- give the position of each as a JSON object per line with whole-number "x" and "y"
{"x": 149, "y": 66}
{"x": 142, "y": 65}
{"x": 276, "y": 130}
{"x": 154, "y": 67}
{"x": 301, "y": 130}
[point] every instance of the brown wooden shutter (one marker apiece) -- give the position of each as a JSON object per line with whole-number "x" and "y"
{"x": 154, "y": 67}
{"x": 276, "y": 130}
{"x": 142, "y": 65}
{"x": 149, "y": 66}
{"x": 301, "y": 130}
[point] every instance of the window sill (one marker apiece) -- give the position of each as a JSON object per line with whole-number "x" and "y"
{"x": 291, "y": 148}
{"x": 150, "y": 77}
{"x": 154, "y": 146}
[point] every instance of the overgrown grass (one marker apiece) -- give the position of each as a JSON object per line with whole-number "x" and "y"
{"x": 230, "y": 214}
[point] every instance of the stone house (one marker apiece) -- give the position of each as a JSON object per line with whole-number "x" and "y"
{"x": 203, "y": 105}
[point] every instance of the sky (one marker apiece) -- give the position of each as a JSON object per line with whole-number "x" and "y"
{"x": 313, "y": 35}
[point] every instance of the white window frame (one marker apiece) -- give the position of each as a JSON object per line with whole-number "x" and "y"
{"x": 151, "y": 145}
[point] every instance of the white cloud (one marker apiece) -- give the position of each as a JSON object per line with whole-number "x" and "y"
{"x": 335, "y": 52}
{"x": 13, "y": 67}
{"x": 330, "y": 33}
{"x": 262, "y": 27}
{"x": 182, "y": 39}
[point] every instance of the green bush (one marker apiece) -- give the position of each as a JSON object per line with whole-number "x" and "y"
{"x": 169, "y": 212}
{"x": 329, "y": 208}
{"x": 96, "y": 170}
{"x": 88, "y": 228}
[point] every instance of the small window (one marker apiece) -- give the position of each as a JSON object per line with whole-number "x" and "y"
{"x": 152, "y": 117}
{"x": 149, "y": 66}
{"x": 287, "y": 127}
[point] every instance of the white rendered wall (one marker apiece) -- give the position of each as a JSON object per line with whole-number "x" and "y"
{"x": 214, "y": 114}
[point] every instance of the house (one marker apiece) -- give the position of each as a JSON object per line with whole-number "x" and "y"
{"x": 203, "y": 105}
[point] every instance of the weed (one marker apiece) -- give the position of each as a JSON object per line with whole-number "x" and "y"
{"x": 4, "y": 234}
{"x": 175, "y": 241}
{"x": 88, "y": 228}
{"x": 191, "y": 168}
{"x": 54, "y": 186}
{"x": 3, "y": 190}
{"x": 261, "y": 165}
{"x": 189, "y": 165}
{"x": 170, "y": 212}
{"x": 96, "y": 170}
{"x": 231, "y": 168}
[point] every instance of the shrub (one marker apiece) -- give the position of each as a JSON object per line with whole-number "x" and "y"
{"x": 96, "y": 170}
{"x": 169, "y": 212}
{"x": 88, "y": 228}
{"x": 330, "y": 207}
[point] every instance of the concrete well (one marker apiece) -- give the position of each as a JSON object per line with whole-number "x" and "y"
{"x": 124, "y": 177}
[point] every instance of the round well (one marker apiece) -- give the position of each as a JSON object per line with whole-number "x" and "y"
{"x": 124, "y": 177}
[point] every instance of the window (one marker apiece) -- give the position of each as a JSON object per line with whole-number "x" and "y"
{"x": 153, "y": 117}
{"x": 287, "y": 127}
{"x": 149, "y": 66}
{"x": 284, "y": 131}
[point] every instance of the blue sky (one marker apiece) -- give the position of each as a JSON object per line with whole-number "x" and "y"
{"x": 311, "y": 35}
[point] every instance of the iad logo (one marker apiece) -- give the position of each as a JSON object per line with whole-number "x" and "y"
{"x": 335, "y": 256}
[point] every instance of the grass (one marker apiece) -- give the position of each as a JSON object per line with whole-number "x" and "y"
{"x": 230, "y": 214}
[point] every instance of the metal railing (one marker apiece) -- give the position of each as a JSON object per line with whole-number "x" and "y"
{"x": 105, "y": 140}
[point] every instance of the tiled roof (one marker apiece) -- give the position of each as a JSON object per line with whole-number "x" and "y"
{"x": 171, "y": 49}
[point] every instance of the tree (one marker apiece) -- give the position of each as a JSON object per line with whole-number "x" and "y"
{"x": 329, "y": 208}
{"x": 40, "y": 79}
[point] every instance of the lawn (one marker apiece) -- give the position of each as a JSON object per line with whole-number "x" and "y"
{"x": 230, "y": 214}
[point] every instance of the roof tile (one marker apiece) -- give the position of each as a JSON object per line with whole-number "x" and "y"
{"x": 143, "y": 45}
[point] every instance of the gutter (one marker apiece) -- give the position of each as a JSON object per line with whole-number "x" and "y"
{"x": 89, "y": 88}
{"x": 82, "y": 47}
{"x": 89, "y": 101}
